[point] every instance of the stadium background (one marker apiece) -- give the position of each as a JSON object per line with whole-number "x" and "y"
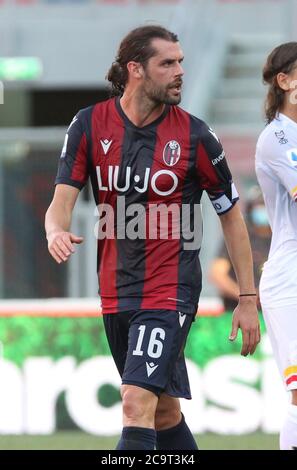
{"x": 59, "y": 388}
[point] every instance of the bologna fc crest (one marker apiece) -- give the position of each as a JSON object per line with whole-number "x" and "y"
{"x": 171, "y": 153}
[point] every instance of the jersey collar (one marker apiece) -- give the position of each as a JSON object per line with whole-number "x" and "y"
{"x": 283, "y": 117}
{"x": 130, "y": 123}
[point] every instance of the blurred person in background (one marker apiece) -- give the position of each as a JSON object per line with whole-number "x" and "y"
{"x": 141, "y": 146}
{"x": 276, "y": 168}
{"x": 221, "y": 272}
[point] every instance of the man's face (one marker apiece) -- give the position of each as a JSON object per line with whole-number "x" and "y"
{"x": 163, "y": 73}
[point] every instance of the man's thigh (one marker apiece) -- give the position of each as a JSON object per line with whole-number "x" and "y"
{"x": 155, "y": 349}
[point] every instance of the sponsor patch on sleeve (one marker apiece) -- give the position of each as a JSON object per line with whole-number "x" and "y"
{"x": 292, "y": 156}
{"x": 215, "y": 161}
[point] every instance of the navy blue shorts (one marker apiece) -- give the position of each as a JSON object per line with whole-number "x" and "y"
{"x": 148, "y": 349}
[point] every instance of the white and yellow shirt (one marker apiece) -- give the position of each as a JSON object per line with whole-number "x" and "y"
{"x": 276, "y": 168}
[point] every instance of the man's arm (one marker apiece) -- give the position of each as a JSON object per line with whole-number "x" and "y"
{"x": 57, "y": 223}
{"x": 219, "y": 275}
{"x": 245, "y": 315}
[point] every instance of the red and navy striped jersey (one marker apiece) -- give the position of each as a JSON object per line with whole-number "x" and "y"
{"x": 137, "y": 176}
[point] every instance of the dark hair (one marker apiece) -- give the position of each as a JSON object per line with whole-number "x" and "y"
{"x": 282, "y": 59}
{"x": 136, "y": 46}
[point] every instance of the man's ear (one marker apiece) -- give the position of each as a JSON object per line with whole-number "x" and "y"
{"x": 283, "y": 81}
{"x": 135, "y": 69}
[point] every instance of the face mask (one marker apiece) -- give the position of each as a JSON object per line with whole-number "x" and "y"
{"x": 259, "y": 216}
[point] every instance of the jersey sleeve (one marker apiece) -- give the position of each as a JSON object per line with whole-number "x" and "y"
{"x": 213, "y": 173}
{"x": 73, "y": 167}
{"x": 282, "y": 161}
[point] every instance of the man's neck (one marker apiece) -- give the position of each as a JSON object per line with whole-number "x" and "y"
{"x": 290, "y": 110}
{"x": 139, "y": 109}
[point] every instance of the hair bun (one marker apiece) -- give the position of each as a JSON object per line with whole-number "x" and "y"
{"x": 268, "y": 74}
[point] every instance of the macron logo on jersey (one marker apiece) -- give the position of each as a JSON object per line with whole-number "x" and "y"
{"x": 105, "y": 145}
{"x": 213, "y": 133}
{"x": 182, "y": 317}
{"x": 150, "y": 367}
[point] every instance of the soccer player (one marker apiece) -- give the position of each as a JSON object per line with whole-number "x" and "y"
{"x": 276, "y": 167}
{"x": 144, "y": 153}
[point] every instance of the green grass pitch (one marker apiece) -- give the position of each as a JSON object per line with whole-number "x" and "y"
{"x": 81, "y": 441}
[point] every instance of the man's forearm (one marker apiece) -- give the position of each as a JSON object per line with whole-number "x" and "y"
{"x": 57, "y": 219}
{"x": 239, "y": 249}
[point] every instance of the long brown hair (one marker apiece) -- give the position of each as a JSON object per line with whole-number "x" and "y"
{"x": 136, "y": 46}
{"x": 282, "y": 59}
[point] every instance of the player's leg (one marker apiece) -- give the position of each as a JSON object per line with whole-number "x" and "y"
{"x": 156, "y": 338}
{"x": 288, "y": 434}
{"x": 281, "y": 326}
{"x": 172, "y": 430}
{"x": 168, "y": 412}
{"x": 139, "y": 406}
{"x": 139, "y": 400}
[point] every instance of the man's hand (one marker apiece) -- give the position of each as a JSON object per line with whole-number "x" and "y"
{"x": 245, "y": 317}
{"x": 60, "y": 245}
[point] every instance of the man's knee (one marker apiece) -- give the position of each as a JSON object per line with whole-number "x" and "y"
{"x": 139, "y": 405}
{"x": 168, "y": 413}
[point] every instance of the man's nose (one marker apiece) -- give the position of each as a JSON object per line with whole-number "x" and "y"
{"x": 180, "y": 70}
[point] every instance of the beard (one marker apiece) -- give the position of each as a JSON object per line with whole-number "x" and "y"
{"x": 161, "y": 94}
